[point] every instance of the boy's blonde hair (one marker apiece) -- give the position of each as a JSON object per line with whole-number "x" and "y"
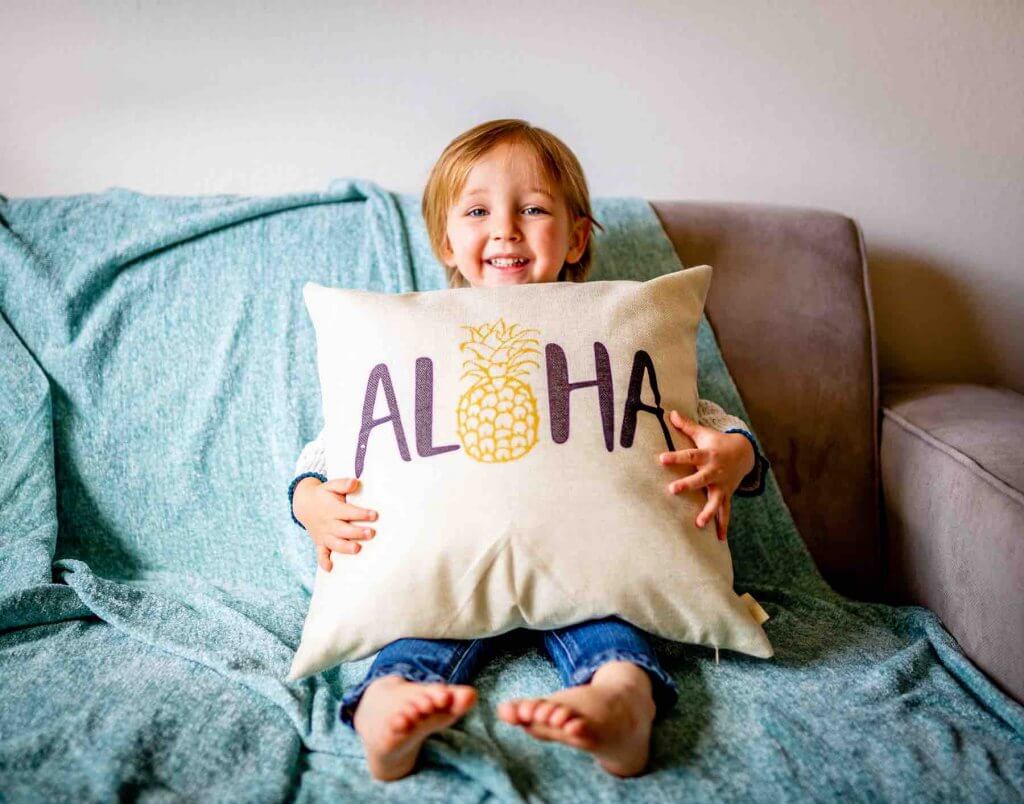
{"x": 449, "y": 174}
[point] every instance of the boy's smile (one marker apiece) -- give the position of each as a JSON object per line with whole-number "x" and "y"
{"x": 509, "y": 225}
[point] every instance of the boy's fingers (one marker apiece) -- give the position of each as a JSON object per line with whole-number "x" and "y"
{"x": 353, "y": 513}
{"x": 323, "y": 558}
{"x": 714, "y": 501}
{"x": 680, "y": 422}
{"x": 343, "y": 530}
{"x": 339, "y": 545}
{"x": 723, "y": 519}
{"x": 694, "y": 457}
{"x": 695, "y": 481}
{"x": 342, "y": 485}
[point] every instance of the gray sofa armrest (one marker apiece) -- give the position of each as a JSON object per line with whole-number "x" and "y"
{"x": 952, "y": 460}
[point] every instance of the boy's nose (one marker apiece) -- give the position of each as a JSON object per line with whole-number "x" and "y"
{"x": 504, "y": 228}
{"x": 505, "y": 232}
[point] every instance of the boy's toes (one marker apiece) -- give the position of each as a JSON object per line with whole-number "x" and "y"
{"x": 508, "y": 711}
{"x": 572, "y": 732}
{"x": 576, "y": 727}
{"x": 462, "y": 698}
{"x": 526, "y": 709}
{"x": 538, "y": 732}
{"x": 441, "y": 697}
{"x": 543, "y": 712}
{"x": 559, "y": 716}
{"x": 424, "y": 704}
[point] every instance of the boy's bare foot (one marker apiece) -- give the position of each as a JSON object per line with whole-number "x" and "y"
{"x": 395, "y": 716}
{"x": 610, "y": 717}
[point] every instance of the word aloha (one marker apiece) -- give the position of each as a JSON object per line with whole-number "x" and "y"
{"x": 559, "y": 389}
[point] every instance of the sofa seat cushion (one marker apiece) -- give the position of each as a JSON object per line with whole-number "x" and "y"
{"x": 953, "y": 484}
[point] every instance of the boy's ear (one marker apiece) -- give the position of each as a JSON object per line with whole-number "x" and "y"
{"x": 579, "y": 238}
{"x": 447, "y": 253}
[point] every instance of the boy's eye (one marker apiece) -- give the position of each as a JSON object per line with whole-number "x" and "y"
{"x": 480, "y": 209}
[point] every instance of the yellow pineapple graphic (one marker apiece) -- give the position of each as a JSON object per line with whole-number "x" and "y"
{"x": 497, "y": 416}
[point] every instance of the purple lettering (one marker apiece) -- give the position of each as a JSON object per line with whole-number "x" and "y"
{"x": 559, "y": 389}
{"x": 379, "y": 375}
{"x": 425, "y": 410}
{"x": 642, "y": 364}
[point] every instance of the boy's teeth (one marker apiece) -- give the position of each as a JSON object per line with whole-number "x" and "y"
{"x": 505, "y": 263}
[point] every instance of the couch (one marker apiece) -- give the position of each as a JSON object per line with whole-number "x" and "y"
{"x": 157, "y": 381}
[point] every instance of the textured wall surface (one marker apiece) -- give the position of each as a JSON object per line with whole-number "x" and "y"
{"x": 907, "y": 117}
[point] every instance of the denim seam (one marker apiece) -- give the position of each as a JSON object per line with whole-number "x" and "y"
{"x": 462, "y": 658}
{"x": 561, "y": 642}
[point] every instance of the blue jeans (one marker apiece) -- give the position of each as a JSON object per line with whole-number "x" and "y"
{"x": 577, "y": 652}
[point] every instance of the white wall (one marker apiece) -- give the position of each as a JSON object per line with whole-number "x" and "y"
{"x": 908, "y": 116}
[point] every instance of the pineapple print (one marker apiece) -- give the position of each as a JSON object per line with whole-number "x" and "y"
{"x": 497, "y": 416}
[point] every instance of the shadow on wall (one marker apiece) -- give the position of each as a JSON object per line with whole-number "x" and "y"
{"x": 927, "y": 325}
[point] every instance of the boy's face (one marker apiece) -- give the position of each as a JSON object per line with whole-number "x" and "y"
{"x": 508, "y": 208}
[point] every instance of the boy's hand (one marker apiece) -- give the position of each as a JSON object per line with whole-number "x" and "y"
{"x": 324, "y": 512}
{"x": 722, "y": 461}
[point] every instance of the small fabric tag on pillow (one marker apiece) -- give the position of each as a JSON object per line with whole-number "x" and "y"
{"x": 759, "y": 614}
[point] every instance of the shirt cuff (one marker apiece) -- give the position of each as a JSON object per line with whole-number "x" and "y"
{"x": 754, "y": 482}
{"x": 291, "y": 492}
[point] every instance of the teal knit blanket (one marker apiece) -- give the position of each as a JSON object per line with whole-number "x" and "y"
{"x": 157, "y": 381}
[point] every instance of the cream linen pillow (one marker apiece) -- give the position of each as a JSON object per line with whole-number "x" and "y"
{"x": 508, "y": 438}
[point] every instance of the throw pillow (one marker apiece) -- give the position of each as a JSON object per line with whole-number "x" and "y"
{"x": 508, "y": 439}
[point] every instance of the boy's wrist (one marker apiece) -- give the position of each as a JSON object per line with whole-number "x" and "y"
{"x": 748, "y": 448}
{"x": 302, "y": 496}
{"x": 751, "y": 449}
{"x": 753, "y": 483}
{"x": 299, "y": 494}
{"x": 752, "y": 463}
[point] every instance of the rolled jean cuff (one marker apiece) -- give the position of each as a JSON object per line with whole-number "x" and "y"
{"x": 350, "y": 700}
{"x": 664, "y": 689}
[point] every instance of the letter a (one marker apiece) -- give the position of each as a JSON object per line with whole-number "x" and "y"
{"x": 379, "y": 375}
{"x": 642, "y": 364}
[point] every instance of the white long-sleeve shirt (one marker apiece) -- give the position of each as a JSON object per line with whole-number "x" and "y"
{"x": 313, "y": 463}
